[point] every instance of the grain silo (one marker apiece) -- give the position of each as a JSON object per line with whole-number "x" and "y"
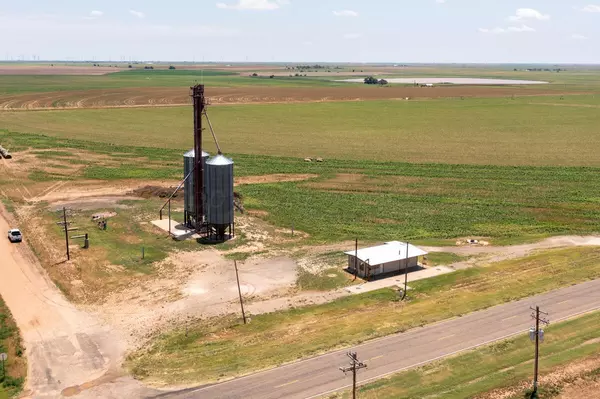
{"x": 189, "y": 201}
{"x": 219, "y": 197}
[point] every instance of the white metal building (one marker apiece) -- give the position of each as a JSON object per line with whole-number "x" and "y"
{"x": 390, "y": 257}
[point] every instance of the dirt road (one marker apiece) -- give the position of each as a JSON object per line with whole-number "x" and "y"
{"x": 490, "y": 254}
{"x": 65, "y": 347}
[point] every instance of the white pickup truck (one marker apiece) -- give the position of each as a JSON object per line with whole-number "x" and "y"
{"x": 14, "y": 235}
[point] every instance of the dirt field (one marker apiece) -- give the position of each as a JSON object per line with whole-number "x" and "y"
{"x": 171, "y": 96}
{"x": 55, "y": 70}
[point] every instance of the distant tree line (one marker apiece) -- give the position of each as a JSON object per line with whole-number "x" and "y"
{"x": 542, "y": 70}
{"x": 374, "y": 81}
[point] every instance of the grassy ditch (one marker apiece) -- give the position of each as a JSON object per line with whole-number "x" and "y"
{"x": 219, "y": 349}
{"x": 506, "y": 364}
{"x": 10, "y": 343}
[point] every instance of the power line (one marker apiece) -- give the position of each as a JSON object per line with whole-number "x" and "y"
{"x": 405, "y": 273}
{"x": 535, "y": 334}
{"x": 237, "y": 277}
{"x": 65, "y": 225}
{"x": 355, "y": 365}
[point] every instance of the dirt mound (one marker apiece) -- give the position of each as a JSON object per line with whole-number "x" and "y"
{"x": 156, "y": 191}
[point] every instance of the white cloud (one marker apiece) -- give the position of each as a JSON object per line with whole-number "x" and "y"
{"x": 591, "y": 8}
{"x": 578, "y": 37}
{"x": 96, "y": 14}
{"x": 522, "y": 28}
{"x": 345, "y": 13}
{"x": 440, "y": 1}
{"x": 352, "y": 36}
{"x": 510, "y": 29}
{"x": 529, "y": 13}
{"x": 137, "y": 14}
{"x": 254, "y": 5}
{"x": 494, "y": 30}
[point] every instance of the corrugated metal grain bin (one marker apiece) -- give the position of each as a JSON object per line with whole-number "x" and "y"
{"x": 219, "y": 185}
{"x": 188, "y": 166}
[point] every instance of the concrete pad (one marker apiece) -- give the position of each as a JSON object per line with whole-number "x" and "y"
{"x": 398, "y": 281}
{"x": 178, "y": 230}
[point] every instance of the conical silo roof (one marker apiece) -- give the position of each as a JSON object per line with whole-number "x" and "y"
{"x": 219, "y": 160}
{"x": 192, "y": 153}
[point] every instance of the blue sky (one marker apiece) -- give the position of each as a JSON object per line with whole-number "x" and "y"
{"x": 544, "y": 31}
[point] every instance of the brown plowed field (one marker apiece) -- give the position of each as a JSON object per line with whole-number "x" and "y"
{"x": 169, "y": 96}
{"x": 55, "y": 70}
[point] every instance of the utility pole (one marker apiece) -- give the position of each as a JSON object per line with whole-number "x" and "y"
{"x": 405, "y": 273}
{"x": 355, "y": 365}
{"x": 237, "y": 277}
{"x": 355, "y": 259}
{"x": 3, "y": 358}
{"x": 535, "y": 334}
{"x": 66, "y": 226}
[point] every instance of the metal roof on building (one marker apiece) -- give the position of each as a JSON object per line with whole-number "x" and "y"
{"x": 388, "y": 252}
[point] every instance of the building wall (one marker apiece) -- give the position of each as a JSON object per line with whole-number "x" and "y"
{"x": 397, "y": 266}
{"x": 390, "y": 267}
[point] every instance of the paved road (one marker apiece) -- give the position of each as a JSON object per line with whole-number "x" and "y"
{"x": 317, "y": 376}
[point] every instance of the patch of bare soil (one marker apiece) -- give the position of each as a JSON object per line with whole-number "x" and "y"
{"x": 157, "y": 191}
{"x": 275, "y": 178}
{"x": 93, "y": 189}
{"x": 56, "y": 70}
{"x": 175, "y": 96}
{"x": 490, "y": 254}
{"x": 194, "y": 285}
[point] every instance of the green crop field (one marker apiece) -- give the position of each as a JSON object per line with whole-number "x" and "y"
{"x": 501, "y": 131}
{"x": 580, "y": 78}
{"x": 15, "y": 84}
{"x": 382, "y": 200}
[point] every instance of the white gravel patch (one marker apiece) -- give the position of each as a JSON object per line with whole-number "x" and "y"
{"x": 456, "y": 81}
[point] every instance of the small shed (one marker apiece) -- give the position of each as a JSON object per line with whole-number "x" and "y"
{"x": 391, "y": 257}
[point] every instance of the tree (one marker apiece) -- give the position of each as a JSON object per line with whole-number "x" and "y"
{"x": 271, "y": 77}
{"x": 130, "y": 66}
{"x": 371, "y": 80}
{"x": 172, "y": 67}
{"x": 383, "y": 82}
{"x": 254, "y": 75}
